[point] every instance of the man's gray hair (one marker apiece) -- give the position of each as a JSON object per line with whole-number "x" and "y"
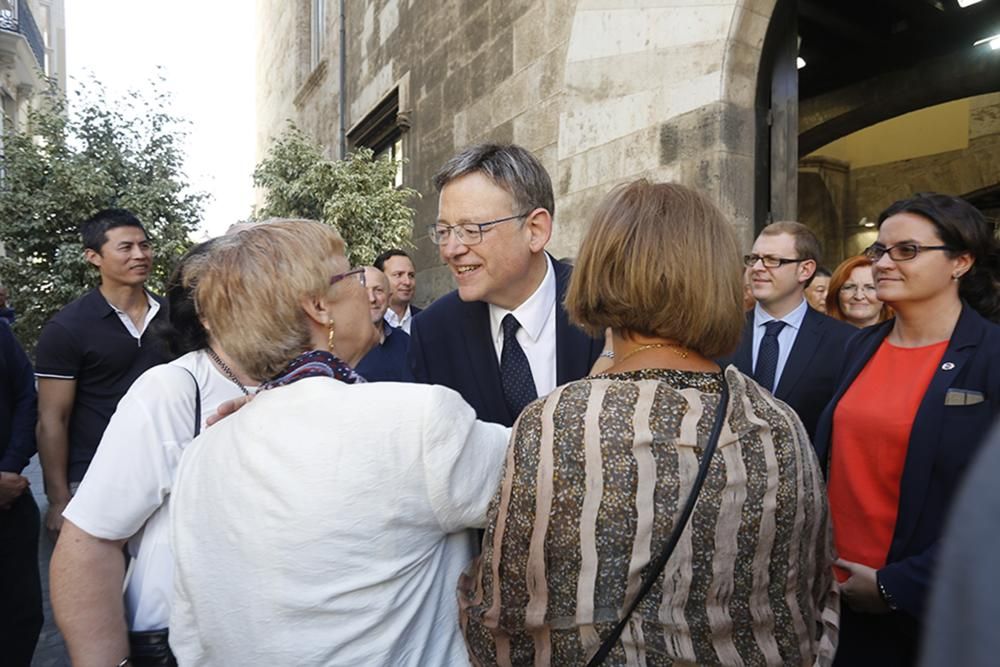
{"x": 510, "y": 167}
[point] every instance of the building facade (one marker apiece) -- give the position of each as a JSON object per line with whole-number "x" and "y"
{"x": 705, "y": 92}
{"x": 602, "y": 92}
{"x": 32, "y": 49}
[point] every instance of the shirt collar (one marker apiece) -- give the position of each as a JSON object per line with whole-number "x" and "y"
{"x": 395, "y": 320}
{"x": 792, "y": 319}
{"x": 154, "y": 305}
{"x": 533, "y": 313}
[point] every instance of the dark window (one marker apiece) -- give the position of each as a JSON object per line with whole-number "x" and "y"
{"x": 382, "y": 132}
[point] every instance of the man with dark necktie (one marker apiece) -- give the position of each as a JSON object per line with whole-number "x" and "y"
{"x": 502, "y": 338}
{"x": 790, "y": 349}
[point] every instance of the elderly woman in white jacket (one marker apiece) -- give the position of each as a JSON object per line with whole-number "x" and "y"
{"x": 326, "y": 523}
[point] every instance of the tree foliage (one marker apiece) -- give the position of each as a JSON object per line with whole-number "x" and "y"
{"x": 355, "y": 196}
{"x": 73, "y": 159}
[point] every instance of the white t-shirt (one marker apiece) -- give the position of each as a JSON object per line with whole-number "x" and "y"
{"x": 325, "y": 524}
{"x": 126, "y": 491}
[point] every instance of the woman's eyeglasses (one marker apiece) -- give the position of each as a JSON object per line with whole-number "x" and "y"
{"x": 900, "y": 252}
{"x": 358, "y": 274}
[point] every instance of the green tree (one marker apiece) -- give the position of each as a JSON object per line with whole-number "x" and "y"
{"x": 72, "y": 160}
{"x": 355, "y": 196}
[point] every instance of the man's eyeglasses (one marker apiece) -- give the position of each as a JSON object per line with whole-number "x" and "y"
{"x": 900, "y": 252}
{"x": 851, "y": 288}
{"x": 469, "y": 233}
{"x": 358, "y": 274}
{"x": 769, "y": 261}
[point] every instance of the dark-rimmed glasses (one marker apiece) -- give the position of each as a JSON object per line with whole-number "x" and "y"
{"x": 901, "y": 252}
{"x": 769, "y": 261}
{"x": 358, "y": 274}
{"x": 469, "y": 233}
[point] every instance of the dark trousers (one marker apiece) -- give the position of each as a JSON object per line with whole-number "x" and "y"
{"x": 876, "y": 640}
{"x": 20, "y": 583}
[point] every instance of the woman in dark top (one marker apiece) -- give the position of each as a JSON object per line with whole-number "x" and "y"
{"x": 918, "y": 395}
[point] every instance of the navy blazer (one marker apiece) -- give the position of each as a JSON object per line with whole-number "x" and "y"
{"x": 18, "y": 403}
{"x": 814, "y": 364}
{"x": 451, "y": 344}
{"x": 942, "y": 442}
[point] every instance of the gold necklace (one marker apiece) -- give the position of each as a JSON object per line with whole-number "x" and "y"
{"x": 677, "y": 349}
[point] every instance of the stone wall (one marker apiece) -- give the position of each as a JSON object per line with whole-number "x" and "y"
{"x": 603, "y": 91}
{"x": 836, "y": 207}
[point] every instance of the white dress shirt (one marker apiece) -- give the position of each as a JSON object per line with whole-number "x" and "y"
{"x": 786, "y": 337}
{"x": 398, "y": 322}
{"x": 537, "y": 335}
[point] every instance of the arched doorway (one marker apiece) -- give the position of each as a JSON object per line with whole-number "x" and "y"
{"x": 893, "y": 98}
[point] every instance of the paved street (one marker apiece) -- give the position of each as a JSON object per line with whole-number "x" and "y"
{"x": 50, "y": 652}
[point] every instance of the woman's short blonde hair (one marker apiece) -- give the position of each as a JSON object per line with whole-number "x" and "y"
{"x": 659, "y": 259}
{"x": 251, "y": 293}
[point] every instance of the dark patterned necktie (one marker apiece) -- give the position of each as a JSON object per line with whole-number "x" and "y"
{"x": 767, "y": 356}
{"x": 515, "y": 373}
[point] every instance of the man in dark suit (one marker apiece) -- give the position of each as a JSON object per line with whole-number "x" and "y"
{"x": 502, "y": 338}
{"x": 398, "y": 267}
{"x": 790, "y": 349}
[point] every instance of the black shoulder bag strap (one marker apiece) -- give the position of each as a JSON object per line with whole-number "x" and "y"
{"x": 197, "y": 405}
{"x": 656, "y": 567}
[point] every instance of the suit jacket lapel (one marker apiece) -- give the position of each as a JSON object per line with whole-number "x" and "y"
{"x": 744, "y": 354}
{"x": 925, "y": 435}
{"x": 855, "y": 364}
{"x": 803, "y": 349}
{"x": 481, "y": 357}
{"x": 572, "y": 345}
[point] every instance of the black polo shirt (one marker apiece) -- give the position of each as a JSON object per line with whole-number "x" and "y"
{"x": 86, "y": 341}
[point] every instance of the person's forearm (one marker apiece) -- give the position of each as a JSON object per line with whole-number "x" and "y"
{"x": 86, "y": 577}
{"x": 53, "y": 452}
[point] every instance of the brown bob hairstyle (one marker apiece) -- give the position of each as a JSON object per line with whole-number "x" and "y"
{"x": 840, "y": 276}
{"x": 659, "y": 259}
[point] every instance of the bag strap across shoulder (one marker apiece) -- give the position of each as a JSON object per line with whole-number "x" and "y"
{"x": 197, "y": 404}
{"x": 656, "y": 567}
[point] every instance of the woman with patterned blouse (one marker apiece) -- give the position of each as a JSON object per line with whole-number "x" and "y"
{"x": 597, "y": 471}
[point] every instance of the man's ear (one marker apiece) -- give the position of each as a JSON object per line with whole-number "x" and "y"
{"x": 93, "y": 257}
{"x": 316, "y": 309}
{"x": 539, "y": 224}
{"x": 806, "y": 270}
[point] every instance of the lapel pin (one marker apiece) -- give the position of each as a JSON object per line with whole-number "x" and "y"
{"x": 947, "y": 366}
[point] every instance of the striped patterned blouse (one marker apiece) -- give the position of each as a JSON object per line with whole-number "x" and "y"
{"x": 594, "y": 476}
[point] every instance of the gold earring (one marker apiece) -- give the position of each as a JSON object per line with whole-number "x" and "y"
{"x": 329, "y": 343}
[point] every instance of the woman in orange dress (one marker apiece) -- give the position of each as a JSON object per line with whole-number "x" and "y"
{"x": 918, "y": 395}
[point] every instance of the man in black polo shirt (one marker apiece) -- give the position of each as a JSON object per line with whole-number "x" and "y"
{"x": 91, "y": 351}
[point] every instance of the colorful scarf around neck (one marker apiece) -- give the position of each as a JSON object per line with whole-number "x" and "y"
{"x": 317, "y": 363}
